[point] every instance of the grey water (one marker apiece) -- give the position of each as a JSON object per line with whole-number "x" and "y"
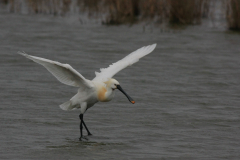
{"x": 187, "y": 91}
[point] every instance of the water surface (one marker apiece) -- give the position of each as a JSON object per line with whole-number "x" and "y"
{"x": 187, "y": 92}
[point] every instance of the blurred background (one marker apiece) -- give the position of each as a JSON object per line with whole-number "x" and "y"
{"x": 114, "y": 12}
{"x": 187, "y": 91}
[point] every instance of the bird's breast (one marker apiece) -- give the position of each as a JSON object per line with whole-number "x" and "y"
{"x": 104, "y": 95}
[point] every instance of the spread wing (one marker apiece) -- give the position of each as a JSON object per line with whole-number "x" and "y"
{"x": 130, "y": 59}
{"x": 63, "y": 72}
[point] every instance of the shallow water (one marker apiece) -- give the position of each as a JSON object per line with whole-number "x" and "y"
{"x": 187, "y": 92}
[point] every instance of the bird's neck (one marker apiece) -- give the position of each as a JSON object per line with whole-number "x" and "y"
{"x": 109, "y": 94}
{"x": 105, "y": 94}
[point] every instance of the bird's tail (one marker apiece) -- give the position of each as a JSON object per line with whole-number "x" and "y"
{"x": 66, "y": 106}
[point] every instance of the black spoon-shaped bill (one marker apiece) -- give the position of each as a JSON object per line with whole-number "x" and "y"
{"x": 129, "y": 98}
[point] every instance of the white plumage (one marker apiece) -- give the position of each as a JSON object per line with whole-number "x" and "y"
{"x": 63, "y": 72}
{"x": 123, "y": 63}
{"x": 101, "y": 88}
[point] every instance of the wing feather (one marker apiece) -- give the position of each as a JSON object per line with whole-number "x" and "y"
{"x": 63, "y": 72}
{"x": 106, "y": 73}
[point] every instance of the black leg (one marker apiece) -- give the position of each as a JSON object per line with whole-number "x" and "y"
{"x": 86, "y": 128}
{"x": 81, "y": 127}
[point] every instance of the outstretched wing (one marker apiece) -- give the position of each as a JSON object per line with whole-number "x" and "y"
{"x": 130, "y": 59}
{"x": 63, "y": 72}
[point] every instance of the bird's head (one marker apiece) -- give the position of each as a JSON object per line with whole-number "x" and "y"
{"x": 114, "y": 84}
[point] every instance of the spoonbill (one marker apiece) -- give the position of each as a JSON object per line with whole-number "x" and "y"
{"x": 101, "y": 88}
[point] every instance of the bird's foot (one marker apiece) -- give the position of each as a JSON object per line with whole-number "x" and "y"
{"x": 89, "y": 134}
{"x": 83, "y": 138}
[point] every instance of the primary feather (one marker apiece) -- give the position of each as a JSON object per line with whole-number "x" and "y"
{"x": 63, "y": 72}
{"x": 130, "y": 59}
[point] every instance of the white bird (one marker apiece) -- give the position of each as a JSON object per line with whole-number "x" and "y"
{"x": 101, "y": 88}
